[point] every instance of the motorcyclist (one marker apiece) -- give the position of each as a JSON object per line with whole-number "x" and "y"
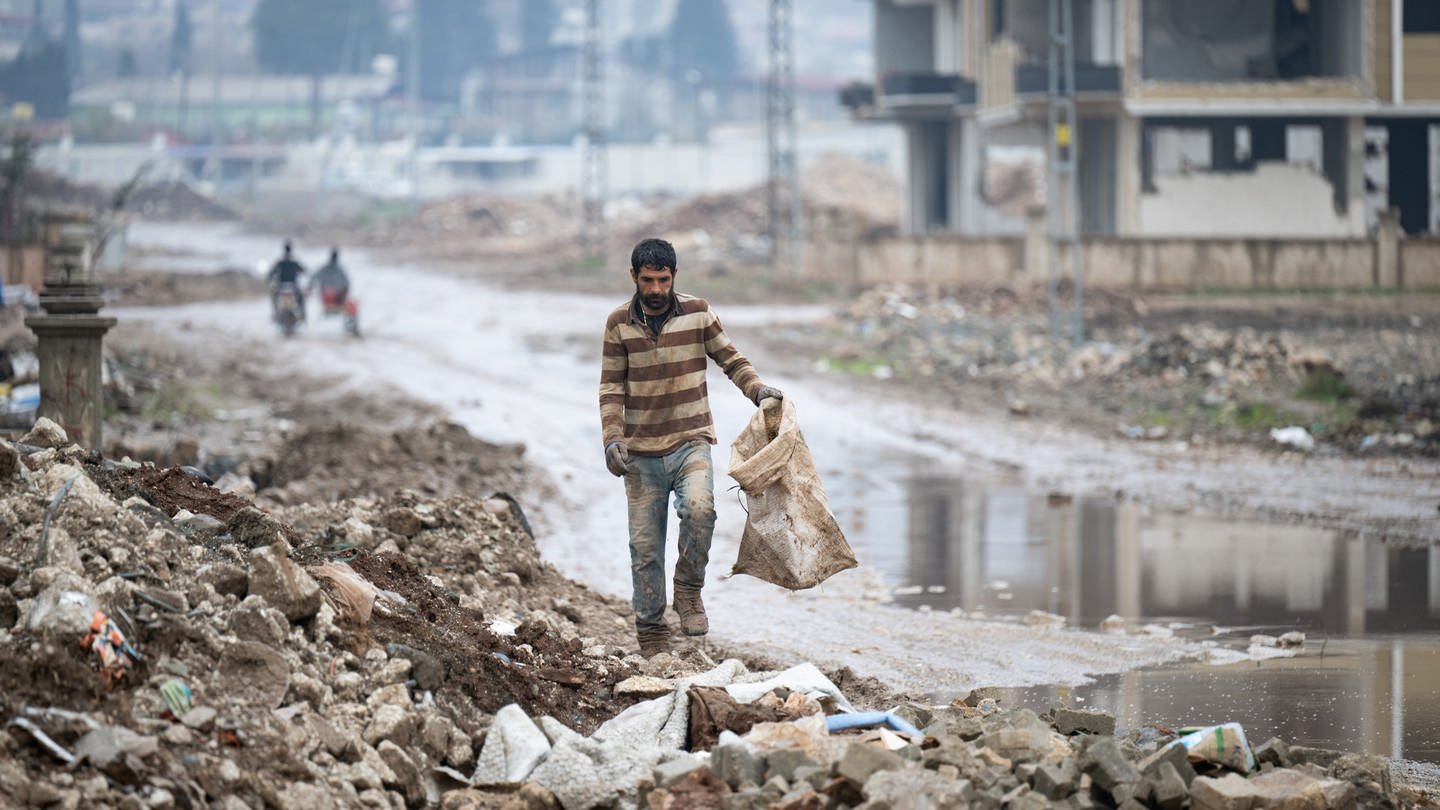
{"x": 286, "y": 271}
{"x": 334, "y": 284}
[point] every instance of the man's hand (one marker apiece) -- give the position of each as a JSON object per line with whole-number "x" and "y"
{"x": 617, "y": 458}
{"x": 767, "y": 392}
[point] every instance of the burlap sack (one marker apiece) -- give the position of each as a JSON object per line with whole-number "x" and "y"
{"x": 791, "y": 538}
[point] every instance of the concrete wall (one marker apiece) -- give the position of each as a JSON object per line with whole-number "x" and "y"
{"x": 1230, "y": 263}
{"x": 1420, "y": 263}
{"x": 1275, "y": 199}
{"x": 1119, "y": 263}
{"x": 943, "y": 260}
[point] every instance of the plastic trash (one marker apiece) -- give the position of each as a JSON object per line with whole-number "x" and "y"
{"x": 1224, "y": 744}
{"x": 1295, "y": 436}
{"x": 177, "y": 696}
{"x": 115, "y": 653}
{"x": 840, "y": 722}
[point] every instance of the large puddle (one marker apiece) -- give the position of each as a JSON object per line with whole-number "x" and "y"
{"x": 1367, "y": 677}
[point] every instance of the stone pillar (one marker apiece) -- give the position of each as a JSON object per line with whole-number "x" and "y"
{"x": 1035, "y": 255}
{"x": 70, "y": 332}
{"x": 1387, "y": 249}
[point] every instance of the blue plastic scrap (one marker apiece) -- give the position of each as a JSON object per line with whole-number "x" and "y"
{"x": 839, "y": 722}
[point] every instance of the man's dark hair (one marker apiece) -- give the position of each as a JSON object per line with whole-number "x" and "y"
{"x": 655, "y": 253}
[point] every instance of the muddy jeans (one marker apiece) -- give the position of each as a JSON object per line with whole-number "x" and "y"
{"x": 689, "y": 473}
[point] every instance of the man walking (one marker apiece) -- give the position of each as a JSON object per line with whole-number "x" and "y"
{"x": 657, "y": 429}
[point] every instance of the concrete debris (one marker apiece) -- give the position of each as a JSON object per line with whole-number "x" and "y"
{"x": 296, "y": 699}
{"x": 1183, "y": 379}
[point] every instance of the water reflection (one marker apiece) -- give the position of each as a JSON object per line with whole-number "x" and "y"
{"x": 997, "y": 548}
{"x": 1375, "y": 696}
{"x": 1368, "y": 678}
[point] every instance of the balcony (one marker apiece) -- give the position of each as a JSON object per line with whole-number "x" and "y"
{"x": 926, "y": 89}
{"x": 1033, "y": 79}
{"x": 857, "y": 96}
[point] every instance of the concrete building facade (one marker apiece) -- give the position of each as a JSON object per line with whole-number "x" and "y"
{"x": 1234, "y": 118}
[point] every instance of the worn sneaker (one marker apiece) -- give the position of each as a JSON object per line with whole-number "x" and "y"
{"x": 693, "y": 621}
{"x": 653, "y": 640}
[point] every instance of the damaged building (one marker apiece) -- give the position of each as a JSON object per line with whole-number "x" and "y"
{"x": 1236, "y": 119}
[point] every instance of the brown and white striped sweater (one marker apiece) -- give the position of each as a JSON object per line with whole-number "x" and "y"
{"x": 652, "y": 387}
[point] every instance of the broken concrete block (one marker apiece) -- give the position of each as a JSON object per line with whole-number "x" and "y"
{"x": 225, "y": 578}
{"x": 737, "y": 765}
{"x": 1176, "y": 756}
{"x": 46, "y": 434}
{"x": 1304, "y": 754}
{"x": 785, "y": 761}
{"x": 285, "y": 585}
{"x": 391, "y": 723}
{"x": 1104, "y": 763}
{"x": 1056, "y": 780}
{"x": 1077, "y": 721}
{"x": 1273, "y": 751}
{"x": 861, "y": 760}
{"x": 668, "y": 774}
{"x": 254, "y": 620}
{"x": 1168, "y": 790}
{"x": 407, "y": 774}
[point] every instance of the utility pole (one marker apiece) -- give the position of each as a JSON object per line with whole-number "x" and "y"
{"x": 783, "y": 186}
{"x": 593, "y": 180}
{"x": 412, "y": 99}
{"x": 1063, "y": 188}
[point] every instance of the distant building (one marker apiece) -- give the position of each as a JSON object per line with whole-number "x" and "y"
{"x": 1265, "y": 118}
{"x": 230, "y": 106}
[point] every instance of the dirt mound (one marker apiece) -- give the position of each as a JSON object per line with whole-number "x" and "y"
{"x": 174, "y": 201}
{"x": 141, "y": 288}
{"x": 473, "y": 621}
{"x": 166, "y": 199}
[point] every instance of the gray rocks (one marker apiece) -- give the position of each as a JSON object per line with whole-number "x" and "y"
{"x": 284, "y": 585}
{"x": 1076, "y": 721}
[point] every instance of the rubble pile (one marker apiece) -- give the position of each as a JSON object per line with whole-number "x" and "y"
{"x": 1363, "y": 388}
{"x": 971, "y": 753}
{"x": 193, "y": 650}
{"x": 165, "y": 643}
{"x": 165, "y": 199}
{"x": 517, "y": 237}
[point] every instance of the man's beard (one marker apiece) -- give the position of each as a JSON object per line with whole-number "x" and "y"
{"x": 655, "y": 301}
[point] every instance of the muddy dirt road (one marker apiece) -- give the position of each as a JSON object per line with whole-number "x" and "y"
{"x": 522, "y": 366}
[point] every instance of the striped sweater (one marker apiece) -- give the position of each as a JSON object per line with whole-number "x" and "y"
{"x": 652, "y": 388}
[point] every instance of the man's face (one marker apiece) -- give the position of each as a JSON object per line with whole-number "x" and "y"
{"x": 653, "y": 286}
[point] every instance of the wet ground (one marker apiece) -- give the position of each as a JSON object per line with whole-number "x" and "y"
{"x": 981, "y": 514}
{"x": 1367, "y": 677}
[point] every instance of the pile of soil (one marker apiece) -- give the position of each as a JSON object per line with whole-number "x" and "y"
{"x": 164, "y": 199}
{"x": 530, "y": 239}
{"x": 474, "y": 620}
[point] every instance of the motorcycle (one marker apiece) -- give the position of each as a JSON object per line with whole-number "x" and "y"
{"x": 287, "y": 312}
{"x": 334, "y": 301}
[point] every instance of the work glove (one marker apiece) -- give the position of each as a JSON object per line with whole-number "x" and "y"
{"x": 767, "y": 392}
{"x": 617, "y": 458}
